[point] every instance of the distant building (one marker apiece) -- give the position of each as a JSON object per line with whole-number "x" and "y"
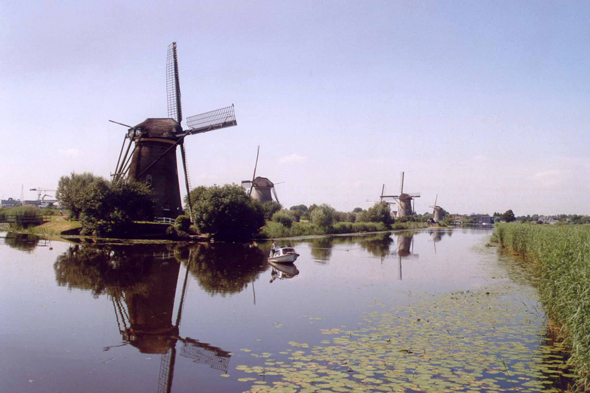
{"x": 9, "y": 202}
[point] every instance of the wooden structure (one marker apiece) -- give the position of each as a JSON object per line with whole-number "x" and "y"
{"x": 437, "y": 212}
{"x": 404, "y": 200}
{"x": 261, "y": 188}
{"x": 155, "y": 140}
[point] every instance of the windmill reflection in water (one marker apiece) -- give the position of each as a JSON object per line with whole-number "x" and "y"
{"x": 145, "y": 322}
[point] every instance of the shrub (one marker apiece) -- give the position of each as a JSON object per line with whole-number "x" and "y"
{"x": 283, "y": 217}
{"x": 227, "y": 213}
{"x": 323, "y": 216}
{"x": 182, "y": 223}
{"x": 270, "y": 208}
{"x": 23, "y": 216}
{"x": 380, "y": 212}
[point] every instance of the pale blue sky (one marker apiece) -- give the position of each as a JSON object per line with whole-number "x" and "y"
{"x": 483, "y": 103}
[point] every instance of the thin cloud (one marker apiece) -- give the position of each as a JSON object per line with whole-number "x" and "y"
{"x": 480, "y": 157}
{"x": 293, "y": 158}
{"x": 550, "y": 178}
{"x": 70, "y": 152}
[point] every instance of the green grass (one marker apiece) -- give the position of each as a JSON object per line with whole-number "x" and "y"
{"x": 275, "y": 230}
{"x": 560, "y": 258}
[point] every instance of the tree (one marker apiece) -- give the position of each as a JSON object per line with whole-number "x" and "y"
{"x": 284, "y": 217}
{"x": 323, "y": 216}
{"x": 270, "y": 208}
{"x": 508, "y": 216}
{"x": 301, "y": 208}
{"x": 227, "y": 213}
{"x": 379, "y": 212}
{"x": 357, "y": 210}
{"x": 71, "y": 189}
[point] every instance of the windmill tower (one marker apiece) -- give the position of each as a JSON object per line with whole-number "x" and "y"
{"x": 261, "y": 188}
{"x": 153, "y": 157}
{"x": 404, "y": 200}
{"x": 437, "y": 212}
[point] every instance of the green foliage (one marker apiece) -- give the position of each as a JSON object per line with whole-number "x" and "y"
{"x": 109, "y": 209}
{"x": 72, "y": 189}
{"x": 283, "y": 217}
{"x": 508, "y": 216}
{"x": 182, "y": 223}
{"x": 270, "y": 208}
{"x": 227, "y": 213}
{"x": 301, "y": 208}
{"x": 560, "y": 258}
{"x": 379, "y": 212}
{"x": 357, "y": 210}
{"x": 323, "y": 216}
{"x": 22, "y": 216}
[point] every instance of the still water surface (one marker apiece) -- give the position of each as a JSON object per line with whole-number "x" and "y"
{"x": 428, "y": 311}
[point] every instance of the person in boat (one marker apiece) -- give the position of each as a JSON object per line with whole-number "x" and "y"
{"x": 274, "y": 249}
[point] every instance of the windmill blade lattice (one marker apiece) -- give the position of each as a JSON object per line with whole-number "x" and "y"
{"x": 173, "y": 84}
{"x": 213, "y": 120}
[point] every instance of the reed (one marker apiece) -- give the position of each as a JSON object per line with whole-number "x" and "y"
{"x": 560, "y": 258}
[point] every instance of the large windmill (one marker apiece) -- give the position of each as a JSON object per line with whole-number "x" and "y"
{"x": 154, "y": 141}
{"x": 260, "y": 187}
{"x": 404, "y": 200}
{"x": 437, "y": 212}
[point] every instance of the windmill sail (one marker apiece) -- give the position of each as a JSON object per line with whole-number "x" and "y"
{"x": 173, "y": 84}
{"x": 213, "y": 120}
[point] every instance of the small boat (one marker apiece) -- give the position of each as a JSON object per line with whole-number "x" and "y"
{"x": 282, "y": 254}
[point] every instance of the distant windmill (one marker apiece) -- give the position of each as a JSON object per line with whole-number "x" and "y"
{"x": 153, "y": 158}
{"x": 437, "y": 212}
{"x": 404, "y": 200}
{"x": 260, "y": 187}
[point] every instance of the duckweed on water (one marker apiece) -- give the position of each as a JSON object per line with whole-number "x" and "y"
{"x": 481, "y": 341}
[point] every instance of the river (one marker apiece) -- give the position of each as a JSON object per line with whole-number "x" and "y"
{"x": 428, "y": 311}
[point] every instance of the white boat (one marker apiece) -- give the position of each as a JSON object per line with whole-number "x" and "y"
{"x": 282, "y": 254}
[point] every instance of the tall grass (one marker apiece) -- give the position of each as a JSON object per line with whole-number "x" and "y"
{"x": 560, "y": 257}
{"x": 274, "y": 229}
{"x": 21, "y": 216}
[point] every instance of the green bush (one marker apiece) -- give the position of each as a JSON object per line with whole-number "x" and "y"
{"x": 379, "y": 212}
{"x": 227, "y": 213}
{"x": 182, "y": 223}
{"x": 283, "y": 217}
{"x": 270, "y": 208}
{"x": 23, "y": 216}
{"x": 323, "y": 216}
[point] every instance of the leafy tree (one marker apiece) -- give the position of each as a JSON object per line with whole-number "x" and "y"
{"x": 323, "y": 216}
{"x": 301, "y": 208}
{"x": 72, "y": 189}
{"x": 283, "y": 217}
{"x": 107, "y": 208}
{"x": 228, "y": 213}
{"x": 357, "y": 210}
{"x": 379, "y": 212}
{"x": 270, "y": 208}
{"x": 508, "y": 216}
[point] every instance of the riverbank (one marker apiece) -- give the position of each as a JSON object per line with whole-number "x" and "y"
{"x": 274, "y": 230}
{"x": 560, "y": 260}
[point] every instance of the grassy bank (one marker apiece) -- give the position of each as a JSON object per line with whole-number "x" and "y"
{"x": 276, "y": 230}
{"x": 560, "y": 258}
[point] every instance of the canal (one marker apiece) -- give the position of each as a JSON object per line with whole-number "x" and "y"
{"x": 428, "y": 311}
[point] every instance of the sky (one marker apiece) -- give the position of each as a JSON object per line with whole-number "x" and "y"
{"x": 484, "y": 104}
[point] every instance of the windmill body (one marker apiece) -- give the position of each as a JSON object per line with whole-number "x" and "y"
{"x": 261, "y": 188}
{"x": 154, "y": 141}
{"x": 437, "y": 212}
{"x": 157, "y": 138}
{"x": 404, "y": 200}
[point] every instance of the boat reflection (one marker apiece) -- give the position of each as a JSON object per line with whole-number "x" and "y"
{"x": 142, "y": 284}
{"x": 282, "y": 271}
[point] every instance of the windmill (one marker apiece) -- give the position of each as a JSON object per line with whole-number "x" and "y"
{"x": 145, "y": 321}
{"x": 437, "y": 212}
{"x": 404, "y": 200}
{"x": 405, "y": 250}
{"x": 153, "y": 157}
{"x": 261, "y": 187}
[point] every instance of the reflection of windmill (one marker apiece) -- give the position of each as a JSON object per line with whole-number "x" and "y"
{"x": 153, "y": 158}
{"x": 260, "y": 187}
{"x": 145, "y": 321}
{"x": 437, "y": 212}
{"x": 405, "y": 250}
{"x": 404, "y": 200}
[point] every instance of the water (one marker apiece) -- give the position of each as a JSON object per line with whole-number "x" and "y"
{"x": 427, "y": 311}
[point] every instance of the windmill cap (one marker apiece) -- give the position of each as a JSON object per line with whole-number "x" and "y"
{"x": 263, "y": 182}
{"x": 160, "y": 128}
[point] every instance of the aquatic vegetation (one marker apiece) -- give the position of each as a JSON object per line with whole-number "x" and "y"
{"x": 462, "y": 341}
{"x": 560, "y": 258}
